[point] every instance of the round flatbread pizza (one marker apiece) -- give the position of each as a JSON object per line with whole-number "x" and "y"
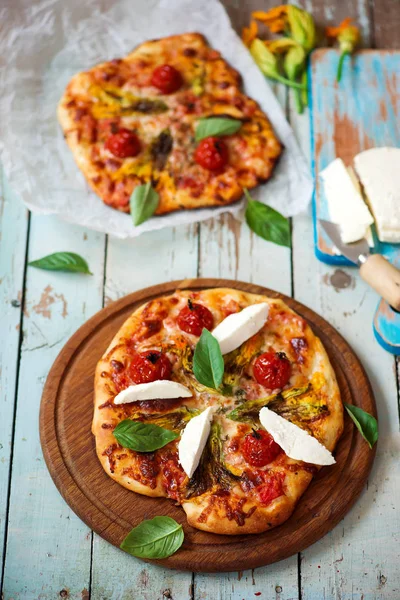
{"x": 242, "y": 477}
{"x": 133, "y": 121}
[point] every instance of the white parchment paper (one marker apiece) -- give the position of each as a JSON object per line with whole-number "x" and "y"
{"x": 43, "y": 43}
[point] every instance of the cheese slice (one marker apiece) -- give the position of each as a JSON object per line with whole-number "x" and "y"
{"x": 239, "y": 327}
{"x": 193, "y": 440}
{"x": 294, "y": 441}
{"x": 345, "y": 202}
{"x": 379, "y": 173}
{"x": 155, "y": 390}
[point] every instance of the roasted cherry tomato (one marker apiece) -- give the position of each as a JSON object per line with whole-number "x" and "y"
{"x": 272, "y": 369}
{"x": 167, "y": 79}
{"x": 193, "y": 318}
{"x": 123, "y": 144}
{"x": 173, "y": 476}
{"x": 149, "y": 366}
{"x": 271, "y": 489}
{"x": 211, "y": 154}
{"x": 259, "y": 448}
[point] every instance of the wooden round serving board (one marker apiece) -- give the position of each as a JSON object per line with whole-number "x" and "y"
{"x": 112, "y": 511}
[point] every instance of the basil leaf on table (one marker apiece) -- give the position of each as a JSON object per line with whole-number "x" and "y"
{"x": 155, "y": 538}
{"x": 267, "y": 222}
{"x": 208, "y": 363}
{"x": 142, "y": 437}
{"x": 143, "y": 203}
{"x": 62, "y": 261}
{"x": 366, "y": 424}
{"x": 216, "y": 126}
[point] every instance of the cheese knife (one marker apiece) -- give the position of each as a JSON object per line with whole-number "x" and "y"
{"x": 378, "y": 272}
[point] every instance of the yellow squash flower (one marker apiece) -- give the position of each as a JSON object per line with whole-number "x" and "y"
{"x": 348, "y": 36}
{"x": 275, "y": 19}
{"x": 297, "y": 23}
{"x": 267, "y": 62}
{"x": 249, "y": 33}
{"x": 302, "y": 27}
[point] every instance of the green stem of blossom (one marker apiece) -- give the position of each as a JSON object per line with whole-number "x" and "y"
{"x": 340, "y": 65}
{"x": 298, "y": 101}
{"x": 304, "y": 81}
{"x": 293, "y": 84}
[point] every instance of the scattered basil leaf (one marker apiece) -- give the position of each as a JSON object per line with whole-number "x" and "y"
{"x": 208, "y": 363}
{"x": 142, "y": 437}
{"x": 155, "y": 538}
{"x": 62, "y": 261}
{"x": 366, "y": 424}
{"x": 267, "y": 222}
{"x": 143, "y": 203}
{"x": 216, "y": 126}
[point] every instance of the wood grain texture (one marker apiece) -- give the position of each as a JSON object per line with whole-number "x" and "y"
{"x": 112, "y": 510}
{"x": 386, "y": 24}
{"x": 359, "y": 558}
{"x": 131, "y": 265}
{"x": 230, "y": 249}
{"x": 43, "y": 533}
{"x": 12, "y": 262}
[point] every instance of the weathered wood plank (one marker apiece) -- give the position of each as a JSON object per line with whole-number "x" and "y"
{"x": 13, "y": 233}
{"x": 131, "y": 265}
{"x": 386, "y": 20}
{"x": 48, "y": 547}
{"x": 328, "y": 13}
{"x": 359, "y": 558}
{"x": 229, "y": 249}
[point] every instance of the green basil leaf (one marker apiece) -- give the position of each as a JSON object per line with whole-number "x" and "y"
{"x": 156, "y": 538}
{"x": 208, "y": 363}
{"x": 216, "y": 126}
{"x": 62, "y": 261}
{"x": 366, "y": 424}
{"x": 267, "y": 222}
{"x": 142, "y": 437}
{"x": 143, "y": 203}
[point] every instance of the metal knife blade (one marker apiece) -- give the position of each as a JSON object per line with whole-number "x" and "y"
{"x": 357, "y": 252}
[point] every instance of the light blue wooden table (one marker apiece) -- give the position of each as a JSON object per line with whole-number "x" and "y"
{"x": 46, "y": 551}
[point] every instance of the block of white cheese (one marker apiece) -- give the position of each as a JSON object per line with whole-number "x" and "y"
{"x": 193, "y": 440}
{"x": 379, "y": 173}
{"x": 154, "y": 390}
{"x": 295, "y": 442}
{"x": 239, "y": 327}
{"x": 345, "y": 202}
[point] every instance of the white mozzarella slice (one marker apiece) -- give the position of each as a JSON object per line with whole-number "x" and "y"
{"x": 345, "y": 202}
{"x": 294, "y": 441}
{"x": 239, "y": 327}
{"x": 379, "y": 172}
{"x": 193, "y": 440}
{"x": 154, "y": 390}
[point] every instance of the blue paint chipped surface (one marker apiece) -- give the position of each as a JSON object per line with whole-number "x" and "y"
{"x": 366, "y": 106}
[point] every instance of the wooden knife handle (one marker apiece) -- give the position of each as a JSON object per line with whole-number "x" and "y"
{"x": 381, "y": 275}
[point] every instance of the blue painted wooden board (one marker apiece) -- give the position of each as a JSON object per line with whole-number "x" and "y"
{"x": 360, "y": 112}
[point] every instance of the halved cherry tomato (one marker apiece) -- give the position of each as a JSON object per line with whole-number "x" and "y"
{"x": 211, "y": 154}
{"x": 123, "y": 144}
{"x": 149, "y": 366}
{"x": 259, "y": 448}
{"x": 167, "y": 79}
{"x": 193, "y": 318}
{"x": 272, "y": 370}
